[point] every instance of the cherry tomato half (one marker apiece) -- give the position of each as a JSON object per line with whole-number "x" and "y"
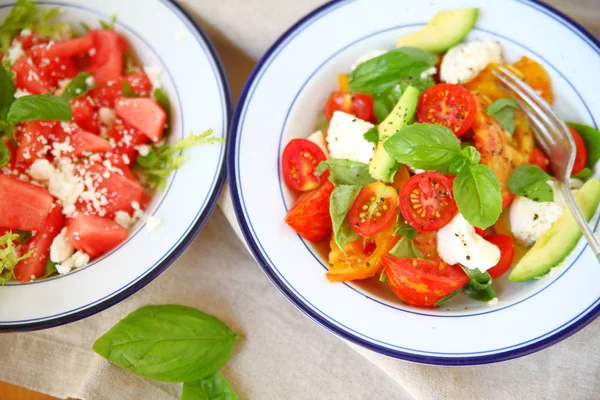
{"x": 358, "y": 104}
{"x": 507, "y": 254}
{"x": 537, "y": 157}
{"x": 581, "y": 156}
{"x": 426, "y": 201}
{"x": 374, "y": 209}
{"x": 309, "y": 216}
{"x": 450, "y": 105}
{"x": 299, "y": 163}
{"x": 422, "y": 282}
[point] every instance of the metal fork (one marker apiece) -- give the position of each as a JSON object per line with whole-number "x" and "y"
{"x": 555, "y": 139}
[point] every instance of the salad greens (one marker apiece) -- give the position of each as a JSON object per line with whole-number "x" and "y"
{"x": 340, "y": 201}
{"x": 406, "y": 248}
{"x": 39, "y": 107}
{"x": 383, "y": 103}
{"x": 504, "y": 112}
{"x": 346, "y": 172}
{"x": 78, "y": 86}
{"x": 8, "y": 256}
{"x": 532, "y": 182}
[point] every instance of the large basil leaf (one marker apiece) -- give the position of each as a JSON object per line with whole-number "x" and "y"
{"x": 406, "y": 248}
{"x": 39, "y": 107}
{"x": 7, "y": 87}
{"x": 532, "y": 182}
{"x": 346, "y": 172}
{"x": 214, "y": 387}
{"x": 340, "y": 202}
{"x": 77, "y": 87}
{"x": 383, "y": 103}
{"x": 504, "y": 112}
{"x": 477, "y": 194}
{"x": 169, "y": 343}
{"x": 479, "y": 286}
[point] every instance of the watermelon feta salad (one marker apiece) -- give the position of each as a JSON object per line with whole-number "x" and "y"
{"x": 83, "y": 142}
{"x": 424, "y": 176}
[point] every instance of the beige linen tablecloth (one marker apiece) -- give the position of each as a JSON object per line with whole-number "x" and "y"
{"x": 285, "y": 355}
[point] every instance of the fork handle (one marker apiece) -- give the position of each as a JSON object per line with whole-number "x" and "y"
{"x": 580, "y": 219}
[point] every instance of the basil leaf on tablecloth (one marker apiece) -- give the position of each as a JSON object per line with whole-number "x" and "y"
{"x": 39, "y": 107}
{"x": 169, "y": 343}
{"x": 215, "y": 387}
{"x": 346, "y": 172}
{"x": 532, "y": 182}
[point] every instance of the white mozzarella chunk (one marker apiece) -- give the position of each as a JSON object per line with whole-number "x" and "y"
{"x": 465, "y": 61}
{"x": 459, "y": 244}
{"x": 61, "y": 249}
{"x": 368, "y": 56}
{"x": 319, "y": 139}
{"x": 345, "y": 138}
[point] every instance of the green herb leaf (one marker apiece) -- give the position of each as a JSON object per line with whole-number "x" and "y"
{"x": 322, "y": 123}
{"x": 161, "y": 97}
{"x": 20, "y": 17}
{"x": 346, "y": 172}
{"x": 504, "y": 112}
{"x": 7, "y": 87}
{"x": 77, "y": 87}
{"x": 215, "y": 387}
{"x": 8, "y": 257}
{"x": 424, "y": 146}
{"x": 591, "y": 138}
{"x": 446, "y": 298}
{"x": 406, "y": 248}
{"x": 384, "y": 72}
{"x": 404, "y": 229}
{"x": 110, "y": 24}
{"x": 383, "y": 276}
{"x": 372, "y": 135}
{"x": 23, "y": 236}
{"x": 340, "y": 202}
{"x": 85, "y": 26}
{"x": 129, "y": 64}
{"x": 127, "y": 90}
{"x": 383, "y": 103}
{"x": 168, "y": 343}
{"x": 49, "y": 270}
{"x": 532, "y": 182}
{"x": 477, "y": 194}
{"x": 584, "y": 174}
{"x": 479, "y": 286}
{"x": 39, "y": 107}
{"x": 4, "y": 154}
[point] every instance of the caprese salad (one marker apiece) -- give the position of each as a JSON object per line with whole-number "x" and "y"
{"x": 82, "y": 142}
{"x": 426, "y": 175}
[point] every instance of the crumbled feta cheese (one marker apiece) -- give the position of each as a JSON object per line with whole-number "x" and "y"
{"x": 345, "y": 138}
{"x": 143, "y": 149}
{"x": 319, "y": 139}
{"x": 153, "y": 223}
{"x": 61, "y": 249}
{"x": 41, "y": 170}
{"x": 89, "y": 81}
{"x": 15, "y": 52}
{"x": 465, "y": 61}
{"x": 107, "y": 116}
{"x": 65, "y": 185}
{"x": 154, "y": 76}
{"x": 26, "y": 32}
{"x": 21, "y": 93}
{"x": 77, "y": 260}
{"x": 124, "y": 219}
{"x": 367, "y": 56}
{"x": 459, "y": 244}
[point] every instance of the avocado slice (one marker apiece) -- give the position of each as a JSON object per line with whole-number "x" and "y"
{"x": 383, "y": 167}
{"x": 560, "y": 240}
{"x": 446, "y": 29}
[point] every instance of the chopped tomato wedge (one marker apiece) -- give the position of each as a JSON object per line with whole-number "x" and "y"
{"x": 84, "y": 114}
{"x": 53, "y": 69}
{"x": 34, "y": 137}
{"x": 537, "y": 157}
{"x": 106, "y": 56}
{"x": 29, "y": 77}
{"x": 94, "y": 235}
{"x": 106, "y": 94}
{"x": 422, "y": 283}
{"x": 450, "y": 105}
{"x": 358, "y": 104}
{"x": 70, "y": 48}
{"x": 428, "y": 244}
{"x": 507, "y": 254}
{"x": 24, "y": 206}
{"x": 143, "y": 114}
{"x": 299, "y": 163}
{"x": 427, "y": 202}
{"x": 83, "y": 142}
{"x": 33, "y": 39}
{"x": 374, "y": 209}
{"x": 126, "y": 138}
{"x": 35, "y": 265}
{"x": 581, "y": 155}
{"x": 309, "y": 216}
{"x": 140, "y": 83}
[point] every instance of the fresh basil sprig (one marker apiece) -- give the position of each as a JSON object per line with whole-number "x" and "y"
{"x": 479, "y": 286}
{"x": 127, "y": 90}
{"x": 383, "y": 103}
{"x": 584, "y": 174}
{"x": 346, "y": 172}
{"x": 477, "y": 195}
{"x": 532, "y": 182}
{"x": 215, "y": 387}
{"x": 77, "y": 87}
{"x": 591, "y": 138}
{"x": 406, "y": 248}
{"x": 379, "y": 74}
{"x": 404, "y": 229}
{"x": 39, "y": 107}
{"x": 7, "y": 88}
{"x": 372, "y": 135}
{"x": 4, "y": 154}
{"x": 504, "y": 112}
{"x": 340, "y": 202}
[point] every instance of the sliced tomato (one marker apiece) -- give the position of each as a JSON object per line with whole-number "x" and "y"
{"x": 422, "y": 283}
{"x": 34, "y": 137}
{"x": 33, "y": 39}
{"x": 35, "y": 265}
{"x": 537, "y": 157}
{"x": 143, "y": 114}
{"x": 299, "y": 163}
{"x": 360, "y": 259}
{"x": 24, "y": 206}
{"x": 94, "y": 235}
{"x": 106, "y": 94}
{"x": 402, "y": 176}
{"x": 53, "y": 69}
{"x": 581, "y": 155}
{"x": 70, "y": 48}
{"x": 507, "y": 254}
{"x": 84, "y": 114}
{"x": 309, "y": 216}
{"x": 140, "y": 83}
{"x": 29, "y": 77}
{"x": 106, "y": 56}
{"x": 126, "y": 138}
{"x": 428, "y": 244}
{"x": 374, "y": 209}
{"x": 82, "y": 142}
{"x": 450, "y": 105}
{"x": 358, "y": 104}
{"x": 427, "y": 202}
{"x": 119, "y": 161}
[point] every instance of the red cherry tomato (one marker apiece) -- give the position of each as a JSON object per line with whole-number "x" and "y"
{"x": 581, "y": 156}
{"x": 537, "y": 157}
{"x": 427, "y": 202}
{"x": 299, "y": 163}
{"x": 358, "y": 104}
{"x": 309, "y": 216}
{"x": 507, "y": 254}
{"x": 422, "y": 283}
{"x": 374, "y": 209}
{"x": 450, "y": 105}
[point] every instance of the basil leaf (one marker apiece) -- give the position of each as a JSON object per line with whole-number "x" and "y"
{"x": 169, "y": 343}
{"x": 39, "y": 107}
{"x": 591, "y": 138}
{"x": 504, "y": 112}
{"x": 406, "y": 248}
{"x": 161, "y": 97}
{"x": 77, "y": 87}
{"x": 479, "y": 286}
{"x": 23, "y": 236}
{"x": 346, "y": 172}
{"x": 424, "y": 146}
{"x": 110, "y": 25}
{"x": 85, "y": 26}
{"x": 127, "y": 90}
{"x": 584, "y": 174}
{"x": 383, "y": 276}
{"x": 446, "y": 298}
{"x": 21, "y": 16}
{"x": 215, "y": 387}
{"x": 477, "y": 194}
{"x": 372, "y": 135}
{"x": 49, "y": 270}
{"x": 532, "y": 182}
{"x": 322, "y": 123}
{"x": 404, "y": 229}
{"x": 7, "y": 87}
{"x": 340, "y": 202}
{"x": 4, "y": 154}
{"x": 383, "y": 103}
{"x": 384, "y": 72}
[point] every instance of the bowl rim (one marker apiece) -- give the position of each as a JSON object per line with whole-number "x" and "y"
{"x": 220, "y": 179}
{"x": 231, "y": 159}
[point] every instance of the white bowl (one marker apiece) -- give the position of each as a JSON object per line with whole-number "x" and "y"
{"x": 161, "y": 34}
{"x": 281, "y": 100}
